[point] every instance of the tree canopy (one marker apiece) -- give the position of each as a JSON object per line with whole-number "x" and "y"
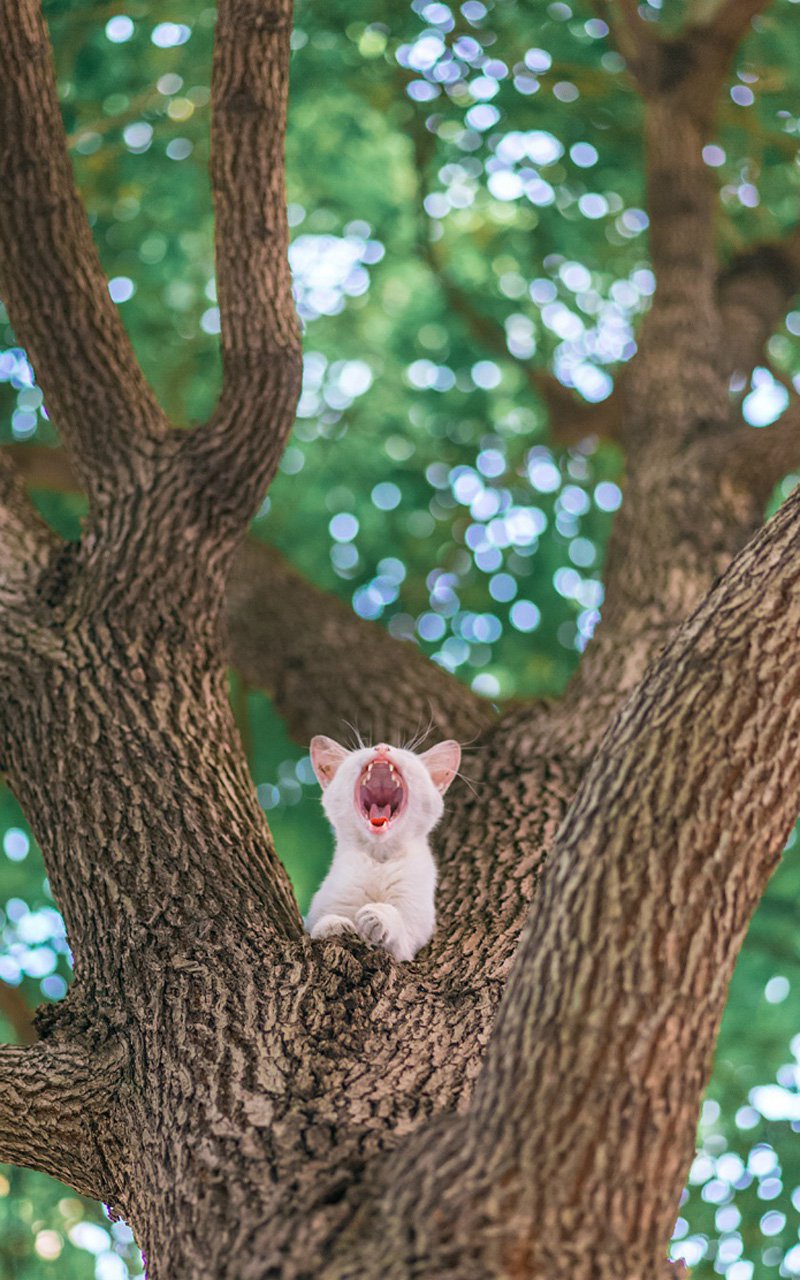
{"x": 471, "y": 262}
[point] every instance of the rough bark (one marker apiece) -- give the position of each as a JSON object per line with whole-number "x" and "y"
{"x": 260, "y": 1106}
{"x": 673, "y": 909}
{"x": 754, "y": 292}
{"x": 16, "y": 1012}
{"x": 52, "y": 1101}
{"x": 235, "y": 454}
{"x": 51, "y": 279}
{"x": 296, "y": 642}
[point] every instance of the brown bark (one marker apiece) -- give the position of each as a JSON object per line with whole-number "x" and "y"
{"x": 51, "y": 1098}
{"x": 286, "y": 636}
{"x": 278, "y": 627}
{"x": 754, "y": 292}
{"x": 654, "y": 843}
{"x": 235, "y": 454}
{"x": 51, "y": 279}
{"x": 14, "y": 1009}
{"x": 258, "y": 1105}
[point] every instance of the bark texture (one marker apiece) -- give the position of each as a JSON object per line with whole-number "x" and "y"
{"x": 260, "y": 1106}
{"x": 277, "y": 627}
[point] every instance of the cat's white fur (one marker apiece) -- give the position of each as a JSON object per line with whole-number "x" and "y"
{"x": 381, "y": 882}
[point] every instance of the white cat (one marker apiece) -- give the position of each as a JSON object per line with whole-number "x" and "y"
{"x": 382, "y": 802}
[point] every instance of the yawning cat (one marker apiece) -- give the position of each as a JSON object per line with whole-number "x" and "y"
{"x": 382, "y": 803}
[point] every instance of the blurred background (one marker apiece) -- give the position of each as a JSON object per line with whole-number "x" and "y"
{"x": 471, "y": 263}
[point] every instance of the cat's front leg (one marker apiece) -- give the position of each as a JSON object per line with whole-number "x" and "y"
{"x": 382, "y": 924}
{"x": 332, "y": 926}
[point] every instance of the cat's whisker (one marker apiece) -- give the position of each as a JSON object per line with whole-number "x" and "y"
{"x": 414, "y": 739}
{"x": 473, "y": 787}
{"x": 421, "y": 734}
{"x": 358, "y": 741}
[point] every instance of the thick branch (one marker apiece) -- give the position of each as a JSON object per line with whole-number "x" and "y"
{"x": 235, "y": 455}
{"x": 51, "y": 1100}
{"x": 610, "y": 1015}
{"x": 250, "y": 87}
{"x": 50, "y": 274}
{"x": 680, "y": 525}
{"x": 634, "y": 38}
{"x": 25, "y": 543}
{"x": 691, "y": 66}
{"x": 758, "y": 458}
{"x": 328, "y": 669}
{"x": 754, "y": 293}
{"x": 14, "y": 1009}
{"x": 293, "y": 640}
{"x": 676, "y": 384}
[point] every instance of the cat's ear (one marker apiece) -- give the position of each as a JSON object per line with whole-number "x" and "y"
{"x": 442, "y": 763}
{"x": 326, "y": 756}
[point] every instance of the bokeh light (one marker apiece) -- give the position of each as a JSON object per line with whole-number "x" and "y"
{"x": 469, "y": 248}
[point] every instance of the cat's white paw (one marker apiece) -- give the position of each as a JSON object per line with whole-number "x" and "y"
{"x": 332, "y": 926}
{"x": 382, "y": 925}
{"x": 374, "y": 923}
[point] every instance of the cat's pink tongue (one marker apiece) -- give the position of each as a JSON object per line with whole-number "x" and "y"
{"x": 379, "y": 814}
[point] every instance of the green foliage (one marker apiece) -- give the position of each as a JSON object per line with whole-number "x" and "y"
{"x": 46, "y": 1230}
{"x": 499, "y": 143}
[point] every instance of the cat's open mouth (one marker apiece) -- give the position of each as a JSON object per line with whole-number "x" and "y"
{"x": 380, "y": 794}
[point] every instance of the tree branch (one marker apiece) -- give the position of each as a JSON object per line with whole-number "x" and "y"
{"x": 14, "y": 1009}
{"x": 51, "y": 278}
{"x": 716, "y": 34}
{"x": 51, "y": 1100}
{"x": 328, "y": 669}
{"x": 609, "y": 1019}
{"x": 683, "y": 523}
{"x": 635, "y": 39}
{"x": 26, "y": 543}
{"x": 754, "y": 293}
{"x": 757, "y": 458}
{"x": 297, "y": 642}
{"x": 235, "y": 455}
{"x": 129, "y": 766}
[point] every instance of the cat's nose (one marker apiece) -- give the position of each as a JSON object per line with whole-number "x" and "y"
{"x": 382, "y": 749}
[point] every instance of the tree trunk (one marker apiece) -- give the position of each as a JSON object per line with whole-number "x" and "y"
{"x": 520, "y": 1101}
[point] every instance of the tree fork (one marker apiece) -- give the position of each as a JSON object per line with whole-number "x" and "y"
{"x": 285, "y": 1108}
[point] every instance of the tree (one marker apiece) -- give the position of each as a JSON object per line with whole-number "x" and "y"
{"x": 255, "y": 1104}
